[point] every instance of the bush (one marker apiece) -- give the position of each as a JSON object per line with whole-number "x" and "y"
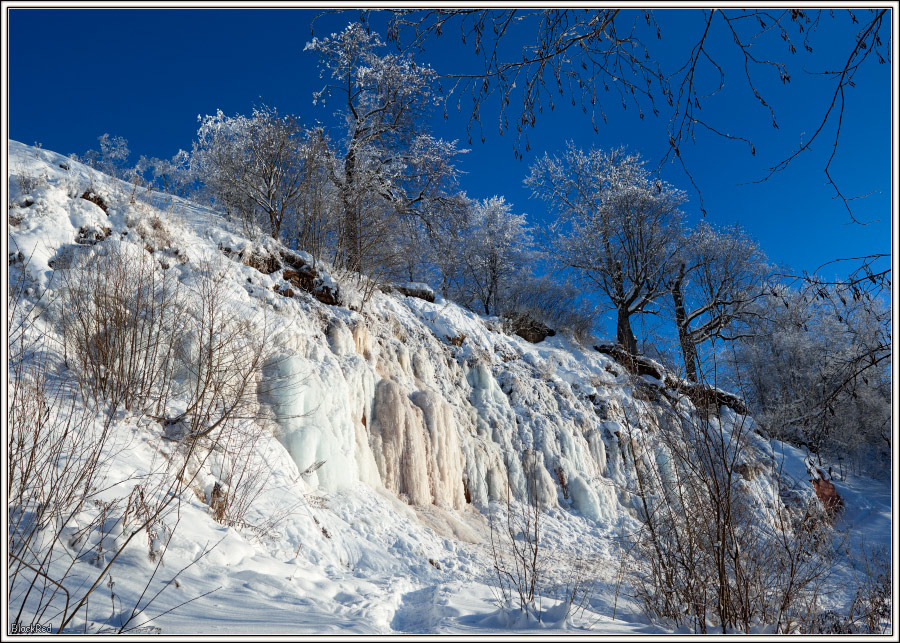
{"x": 544, "y": 304}
{"x": 137, "y": 342}
{"x": 870, "y": 611}
{"x": 708, "y": 555}
{"x": 58, "y": 457}
{"x": 522, "y": 562}
{"x": 121, "y": 315}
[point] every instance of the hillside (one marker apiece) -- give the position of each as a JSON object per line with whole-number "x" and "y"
{"x": 299, "y": 458}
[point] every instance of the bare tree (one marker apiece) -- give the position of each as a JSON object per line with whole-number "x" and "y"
{"x": 617, "y": 227}
{"x": 315, "y": 221}
{"x": 572, "y": 54}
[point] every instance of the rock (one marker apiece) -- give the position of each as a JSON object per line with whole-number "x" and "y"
{"x": 827, "y": 494}
{"x": 418, "y": 290}
{"x": 96, "y": 199}
{"x": 528, "y": 328}
{"x": 260, "y": 261}
{"x": 287, "y": 292}
{"x": 634, "y": 364}
{"x": 707, "y": 396}
{"x": 90, "y": 235}
{"x": 304, "y": 276}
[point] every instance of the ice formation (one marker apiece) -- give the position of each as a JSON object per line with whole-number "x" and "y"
{"x": 399, "y": 443}
{"x": 421, "y": 398}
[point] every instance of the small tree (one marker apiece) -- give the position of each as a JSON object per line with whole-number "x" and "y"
{"x": 110, "y": 158}
{"x": 255, "y": 166}
{"x": 617, "y": 226}
{"x": 173, "y": 176}
{"x": 717, "y": 275}
{"x": 495, "y": 253}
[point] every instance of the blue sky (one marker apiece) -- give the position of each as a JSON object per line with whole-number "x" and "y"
{"x": 75, "y": 74}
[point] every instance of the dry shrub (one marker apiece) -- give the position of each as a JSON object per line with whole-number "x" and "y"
{"x": 870, "y": 612}
{"x": 542, "y": 305}
{"x": 522, "y": 562}
{"x": 154, "y": 233}
{"x": 59, "y": 455}
{"x": 120, "y": 317}
{"x": 707, "y": 555}
{"x": 219, "y": 359}
{"x": 137, "y": 342}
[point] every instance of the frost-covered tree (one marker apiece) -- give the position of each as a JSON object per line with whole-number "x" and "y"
{"x": 110, "y": 158}
{"x": 717, "y": 276}
{"x": 173, "y": 176}
{"x": 495, "y": 254}
{"x": 388, "y": 155}
{"x": 441, "y": 253}
{"x": 617, "y": 226}
{"x": 255, "y": 166}
{"x": 814, "y": 365}
{"x": 314, "y": 224}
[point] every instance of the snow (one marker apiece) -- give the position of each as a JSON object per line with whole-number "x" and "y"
{"x": 426, "y": 417}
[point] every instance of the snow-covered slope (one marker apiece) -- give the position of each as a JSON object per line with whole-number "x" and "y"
{"x": 391, "y": 433}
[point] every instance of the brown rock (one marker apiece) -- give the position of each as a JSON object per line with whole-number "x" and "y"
{"x": 97, "y": 200}
{"x": 827, "y": 494}
{"x": 635, "y": 364}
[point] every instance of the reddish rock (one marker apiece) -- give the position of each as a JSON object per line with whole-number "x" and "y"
{"x": 827, "y": 494}
{"x": 97, "y": 200}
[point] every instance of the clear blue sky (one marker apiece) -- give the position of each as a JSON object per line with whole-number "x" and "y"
{"x": 145, "y": 74}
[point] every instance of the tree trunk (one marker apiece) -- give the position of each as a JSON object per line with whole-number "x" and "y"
{"x": 351, "y": 228}
{"x": 624, "y": 336}
{"x": 688, "y": 349}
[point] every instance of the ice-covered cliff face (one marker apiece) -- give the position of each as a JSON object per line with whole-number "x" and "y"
{"x": 440, "y": 407}
{"x": 379, "y": 438}
{"x": 428, "y": 401}
{"x": 384, "y": 397}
